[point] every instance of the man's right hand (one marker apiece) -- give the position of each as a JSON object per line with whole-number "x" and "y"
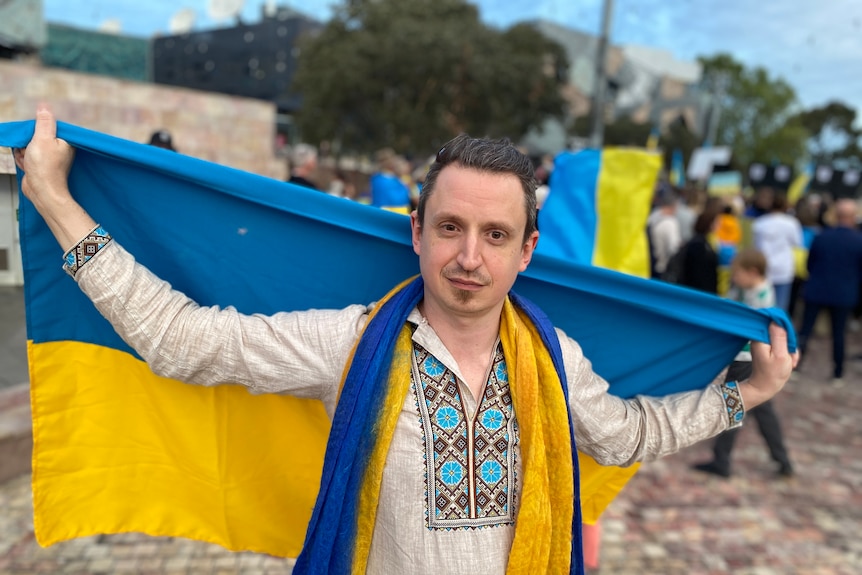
{"x": 46, "y": 162}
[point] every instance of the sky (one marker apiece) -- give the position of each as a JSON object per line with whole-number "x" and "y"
{"x": 814, "y": 46}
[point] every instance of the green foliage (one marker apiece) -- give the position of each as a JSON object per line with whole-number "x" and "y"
{"x": 411, "y": 74}
{"x": 677, "y": 136}
{"x": 622, "y": 131}
{"x": 755, "y": 111}
{"x": 832, "y": 130}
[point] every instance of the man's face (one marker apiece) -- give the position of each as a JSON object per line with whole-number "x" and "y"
{"x": 471, "y": 245}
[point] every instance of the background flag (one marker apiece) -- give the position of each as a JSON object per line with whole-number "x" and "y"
{"x": 676, "y": 176}
{"x": 597, "y": 208}
{"x": 115, "y": 450}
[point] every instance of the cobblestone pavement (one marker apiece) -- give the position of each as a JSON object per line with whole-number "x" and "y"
{"x": 669, "y": 520}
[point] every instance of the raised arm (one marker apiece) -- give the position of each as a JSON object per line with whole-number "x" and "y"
{"x": 300, "y": 353}
{"x": 46, "y": 163}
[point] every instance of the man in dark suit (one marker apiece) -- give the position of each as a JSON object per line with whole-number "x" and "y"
{"x": 834, "y": 273}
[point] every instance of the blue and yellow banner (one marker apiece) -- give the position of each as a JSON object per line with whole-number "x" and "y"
{"x": 597, "y": 208}
{"x": 118, "y": 449}
{"x": 676, "y": 174}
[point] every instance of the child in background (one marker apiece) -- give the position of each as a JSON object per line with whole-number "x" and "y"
{"x": 751, "y": 287}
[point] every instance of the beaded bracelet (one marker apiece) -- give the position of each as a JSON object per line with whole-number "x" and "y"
{"x": 733, "y": 403}
{"x": 85, "y": 249}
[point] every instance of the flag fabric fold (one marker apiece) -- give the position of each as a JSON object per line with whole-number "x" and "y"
{"x": 115, "y": 450}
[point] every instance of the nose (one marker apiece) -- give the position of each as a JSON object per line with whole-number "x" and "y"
{"x": 470, "y": 253}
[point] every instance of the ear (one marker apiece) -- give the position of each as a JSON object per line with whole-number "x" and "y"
{"x": 415, "y": 231}
{"x": 528, "y": 249}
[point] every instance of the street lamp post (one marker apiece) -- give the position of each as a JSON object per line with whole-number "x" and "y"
{"x": 597, "y": 134}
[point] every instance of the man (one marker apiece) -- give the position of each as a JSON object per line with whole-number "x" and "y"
{"x": 664, "y": 231}
{"x": 834, "y": 276}
{"x": 482, "y": 419}
{"x": 303, "y": 165}
{"x": 777, "y": 234}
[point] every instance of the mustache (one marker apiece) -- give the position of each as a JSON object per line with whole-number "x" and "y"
{"x": 460, "y": 274}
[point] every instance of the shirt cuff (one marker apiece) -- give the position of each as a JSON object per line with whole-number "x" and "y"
{"x": 85, "y": 249}
{"x": 733, "y": 403}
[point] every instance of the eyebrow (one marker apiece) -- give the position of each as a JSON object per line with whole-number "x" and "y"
{"x": 447, "y": 217}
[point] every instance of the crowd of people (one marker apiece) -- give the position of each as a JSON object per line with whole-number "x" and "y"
{"x": 394, "y": 183}
{"x": 763, "y": 252}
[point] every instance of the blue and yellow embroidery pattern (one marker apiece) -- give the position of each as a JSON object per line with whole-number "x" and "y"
{"x": 470, "y": 465}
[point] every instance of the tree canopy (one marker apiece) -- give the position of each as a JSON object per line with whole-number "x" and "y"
{"x": 411, "y": 74}
{"x": 832, "y": 130}
{"x": 757, "y": 111}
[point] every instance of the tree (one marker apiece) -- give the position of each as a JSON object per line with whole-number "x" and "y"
{"x": 755, "y": 112}
{"x": 623, "y": 131}
{"x": 411, "y": 74}
{"x": 678, "y": 136}
{"x": 832, "y": 130}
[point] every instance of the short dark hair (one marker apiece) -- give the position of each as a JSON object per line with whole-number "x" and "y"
{"x": 496, "y": 156}
{"x": 703, "y": 223}
{"x": 750, "y": 259}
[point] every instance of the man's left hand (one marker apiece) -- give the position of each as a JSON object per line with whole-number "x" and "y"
{"x": 771, "y": 366}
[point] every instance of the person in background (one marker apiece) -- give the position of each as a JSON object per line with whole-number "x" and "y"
{"x": 807, "y": 211}
{"x": 777, "y": 234}
{"x": 699, "y": 260}
{"x": 162, "y": 139}
{"x": 388, "y": 191}
{"x": 543, "y": 177}
{"x": 303, "y": 165}
{"x": 761, "y": 203}
{"x": 341, "y": 186}
{"x": 686, "y": 214}
{"x": 663, "y": 230}
{"x": 751, "y": 287}
{"x": 834, "y": 276}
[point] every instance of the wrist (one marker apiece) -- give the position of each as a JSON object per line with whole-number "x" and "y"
{"x": 85, "y": 249}
{"x": 752, "y": 395}
{"x": 67, "y": 220}
{"x": 733, "y": 403}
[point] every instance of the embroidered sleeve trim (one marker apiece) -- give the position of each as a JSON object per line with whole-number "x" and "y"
{"x": 733, "y": 403}
{"x": 85, "y": 249}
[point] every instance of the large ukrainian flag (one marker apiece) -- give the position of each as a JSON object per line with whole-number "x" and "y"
{"x": 118, "y": 449}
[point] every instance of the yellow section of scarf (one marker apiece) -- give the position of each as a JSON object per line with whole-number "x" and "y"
{"x": 543, "y": 526}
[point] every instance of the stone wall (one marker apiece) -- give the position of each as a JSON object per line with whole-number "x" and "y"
{"x": 227, "y": 130}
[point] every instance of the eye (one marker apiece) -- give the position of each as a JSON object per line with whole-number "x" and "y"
{"x": 497, "y": 235}
{"x": 448, "y": 227}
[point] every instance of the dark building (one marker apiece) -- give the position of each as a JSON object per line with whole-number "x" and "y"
{"x": 253, "y": 60}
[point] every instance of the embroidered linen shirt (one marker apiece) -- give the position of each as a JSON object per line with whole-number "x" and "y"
{"x": 442, "y": 509}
